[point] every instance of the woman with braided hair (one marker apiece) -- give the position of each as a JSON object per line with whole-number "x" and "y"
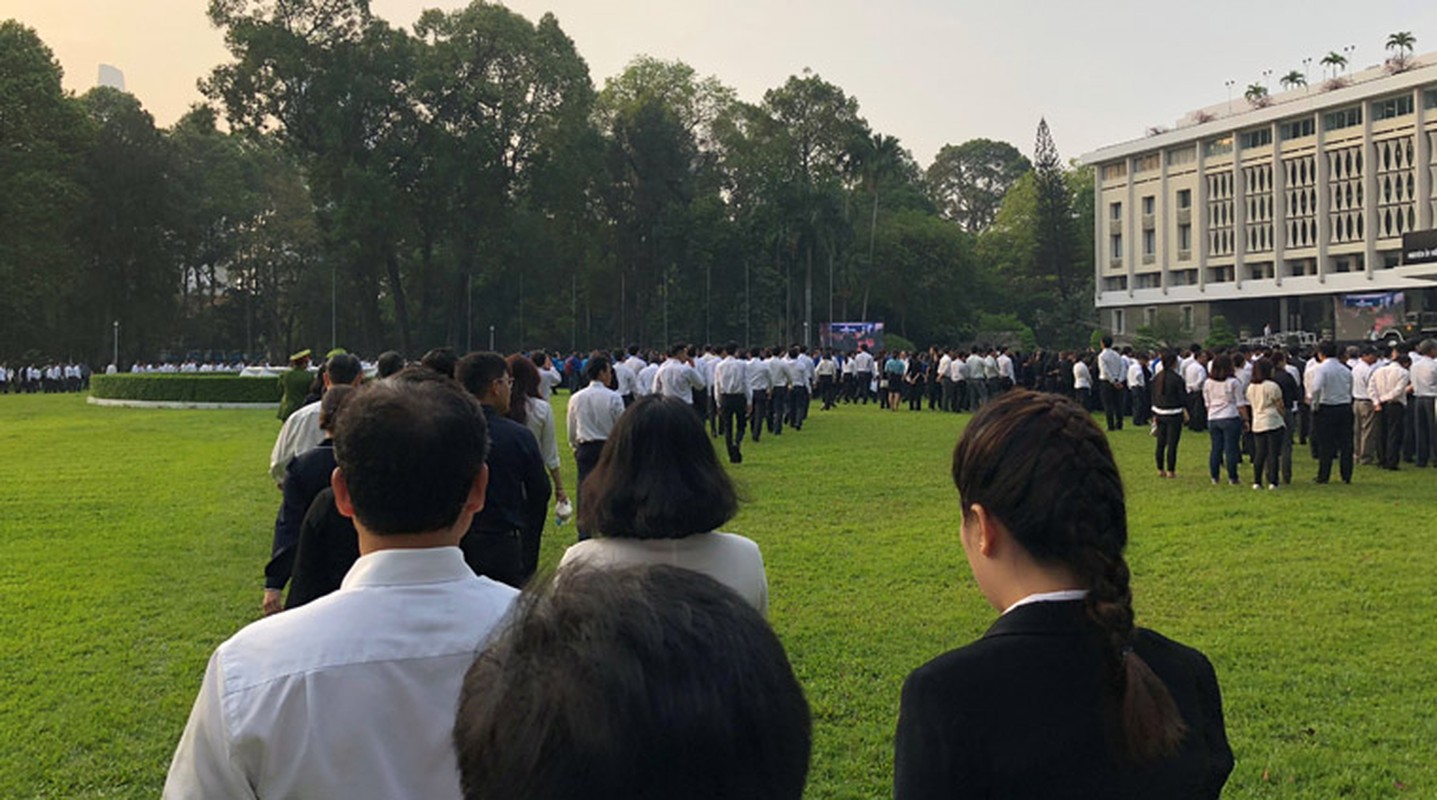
{"x": 1063, "y": 696}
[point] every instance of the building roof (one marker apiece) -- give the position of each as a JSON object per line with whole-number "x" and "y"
{"x": 1362, "y": 85}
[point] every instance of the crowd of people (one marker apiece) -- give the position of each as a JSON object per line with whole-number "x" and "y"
{"x": 53, "y": 378}
{"x": 416, "y": 653}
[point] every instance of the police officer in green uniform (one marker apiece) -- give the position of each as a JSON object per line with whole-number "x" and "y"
{"x": 295, "y": 383}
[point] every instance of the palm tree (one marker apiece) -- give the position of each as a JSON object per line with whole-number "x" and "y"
{"x": 1402, "y": 42}
{"x": 1256, "y": 95}
{"x": 878, "y": 157}
{"x": 1292, "y": 80}
{"x": 1335, "y": 60}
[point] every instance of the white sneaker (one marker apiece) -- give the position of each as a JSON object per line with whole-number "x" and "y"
{"x": 1257, "y": 486}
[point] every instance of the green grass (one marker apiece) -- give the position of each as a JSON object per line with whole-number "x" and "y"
{"x": 133, "y": 543}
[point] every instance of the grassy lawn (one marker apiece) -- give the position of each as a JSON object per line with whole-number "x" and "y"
{"x": 133, "y": 543}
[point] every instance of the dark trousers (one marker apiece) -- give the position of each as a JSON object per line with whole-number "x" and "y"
{"x": 777, "y": 409}
{"x": 1284, "y": 457}
{"x": 862, "y": 380}
{"x": 1112, "y": 396}
{"x": 825, "y": 390}
{"x": 1170, "y": 430}
{"x": 1332, "y": 428}
{"x": 1083, "y": 396}
{"x": 1424, "y": 429}
{"x": 1142, "y": 406}
{"x": 797, "y": 406}
{"x": 586, "y": 455}
{"x": 760, "y": 413}
{"x": 1268, "y": 447}
{"x": 732, "y": 411}
{"x": 1392, "y": 422}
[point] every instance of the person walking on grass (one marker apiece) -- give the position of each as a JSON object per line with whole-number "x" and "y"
{"x": 1224, "y": 422}
{"x": 1169, "y": 407}
{"x": 1265, "y": 401}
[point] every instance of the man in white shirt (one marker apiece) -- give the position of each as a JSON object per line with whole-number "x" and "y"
{"x": 1110, "y": 384}
{"x": 678, "y": 378}
{"x": 798, "y": 388}
{"x": 1364, "y": 413}
{"x": 1389, "y": 387}
{"x": 810, "y": 378}
{"x": 300, "y": 432}
{"x": 862, "y": 372}
{"x": 779, "y": 381}
{"x": 549, "y": 377}
{"x": 1330, "y": 392}
{"x": 634, "y": 361}
{"x": 759, "y": 383}
{"x": 1194, "y": 375}
{"x": 626, "y": 381}
{"x": 593, "y": 412}
{"x": 826, "y": 372}
{"x": 1423, "y": 375}
{"x": 1138, "y": 389}
{"x": 646, "y": 379}
{"x": 353, "y": 695}
{"x": 734, "y": 398}
{"x": 1082, "y": 382}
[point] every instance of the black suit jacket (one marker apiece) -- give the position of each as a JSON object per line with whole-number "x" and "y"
{"x": 1026, "y": 712}
{"x": 306, "y": 476}
{"x": 328, "y": 546}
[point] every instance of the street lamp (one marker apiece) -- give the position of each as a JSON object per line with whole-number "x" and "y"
{"x": 1229, "y": 85}
{"x": 116, "y": 359}
{"x": 491, "y": 338}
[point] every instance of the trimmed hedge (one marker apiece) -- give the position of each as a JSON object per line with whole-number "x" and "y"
{"x": 186, "y": 388}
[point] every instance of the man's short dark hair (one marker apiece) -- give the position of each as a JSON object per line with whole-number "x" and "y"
{"x": 388, "y": 364}
{"x": 596, "y": 366}
{"x": 441, "y": 360}
{"x": 332, "y": 405}
{"x": 343, "y": 369}
{"x": 641, "y": 682}
{"x": 409, "y": 452}
{"x": 477, "y": 370}
{"x": 1107, "y": 341}
{"x": 1327, "y": 348}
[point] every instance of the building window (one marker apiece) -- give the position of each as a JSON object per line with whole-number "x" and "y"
{"x": 1148, "y": 204}
{"x": 1345, "y": 118}
{"x": 1399, "y": 106}
{"x": 1147, "y": 163}
{"x": 1150, "y": 315}
{"x": 1181, "y": 155}
{"x": 1185, "y": 198}
{"x": 1150, "y": 242}
{"x": 1258, "y": 138}
{"x": 1217, "y": 147}
{"x": 1114, "y": 171}
{"x": 1298, "y": 128}
{"x": 1429, "y": 98}
{"x": 1115, "y": 211}
{"x": 1187, "y": 318}
{"x": 1117, "y": 243}
{"x": 1185, "y": 237}
{"x": 1118, "y": 320}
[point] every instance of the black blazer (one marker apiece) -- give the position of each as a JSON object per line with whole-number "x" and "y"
{"x": 306, "y": 476}
{"x": 1026, "y": 712}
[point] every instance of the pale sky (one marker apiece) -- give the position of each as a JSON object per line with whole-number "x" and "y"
{"x": 927, "y": 71}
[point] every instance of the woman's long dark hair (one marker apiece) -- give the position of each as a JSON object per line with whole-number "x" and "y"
{"x": 1039, "y": 463}
{"x": 526, "y": 385}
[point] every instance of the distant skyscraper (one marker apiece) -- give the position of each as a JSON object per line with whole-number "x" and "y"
{"x": 112, "y": 77}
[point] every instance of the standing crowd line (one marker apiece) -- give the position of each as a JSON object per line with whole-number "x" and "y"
{"x": 417, "y": 655}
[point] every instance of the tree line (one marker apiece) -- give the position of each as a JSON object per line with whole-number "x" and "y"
{"x": 464, "y": 181}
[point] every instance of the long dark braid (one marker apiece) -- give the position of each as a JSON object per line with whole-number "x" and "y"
{"x": 1040, "y": 464}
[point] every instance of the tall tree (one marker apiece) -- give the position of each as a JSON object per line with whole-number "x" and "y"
{"x": 1055, "y": 251}
{"x": 43, "y": 137}
{"x": 967, "y": 181}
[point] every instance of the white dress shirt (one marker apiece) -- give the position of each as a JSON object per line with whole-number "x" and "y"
{"x": 646, "y": 379}
{"x": 299, "y": 434}
{"x": 863, "y": 362}
{"x": 1389, "y": 384}
{"x": 678, "y": 380}
{"x": 1110, "y": 366}
{"x": 1331, "y": 384}
{"x": 731, "y": 377}
{"x": 625, "y": 379}
{"x": 352, "y": 695}
{"x": 540, "y": 422}
{"x": 549, "y": 380}
{"x": 798, "y": 377}
{"x": 758, "y": 378}
{"x": 1194, "y": 374}
{"x": 1005, "y": 367}
{"x": 1060, "y": 596}
{"x": 593, "y": 412}
{"x": 778, "y": 374}
{"x": 635, "y": 363}
{"x": 1423, "y": 376}
{"x": 1135, "y": 375}
{"x": 1082, "y": 376}
{"x": 1361, "y": 377}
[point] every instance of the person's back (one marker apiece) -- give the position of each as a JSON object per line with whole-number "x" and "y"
{"x": 352, "y": 695}
{"x": 1034, "y": 702}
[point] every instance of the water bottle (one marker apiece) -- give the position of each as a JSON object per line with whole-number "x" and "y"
{"x": 563, "y": 512}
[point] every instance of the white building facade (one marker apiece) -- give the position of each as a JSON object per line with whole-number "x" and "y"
{"x": 1289, "y": 216}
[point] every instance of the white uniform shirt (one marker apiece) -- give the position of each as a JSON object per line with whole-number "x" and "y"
{"x": 593, "y": 412}
{"x": 1389, "y": 384}
{"x": 635, "y": 363}
{"x": 352, "y": 695}
{"x": 1110, "y": 366}
{"x": 798, "y": 377}
{"x": 731, "y": 377}
{"x": 299, "y": 434}
{"x": 1005, "y": 368}
{"x": 1331, "y": 384}
{"x": 863, "y": 362}
{"x": 1193, "y": 375}
{"x": 758, "y": 377}
{"x": 678, "y": 380}
{"x": 730, "y": 559}
{"x": 626, "y": 379}
{"x": 646, "y": 379}
{"x": 1423, "y": 376}
{"x": 778, "y": 374}
{"x": 1361, "y": 376}
{"x": 1082, "y": 376}
{"x": 549, "y": 380}
{"x": 1135, "y": 375}
{"x": 540, "y": 422}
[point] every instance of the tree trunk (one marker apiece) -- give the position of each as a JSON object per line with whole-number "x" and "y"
{"x": 396, "y": 285}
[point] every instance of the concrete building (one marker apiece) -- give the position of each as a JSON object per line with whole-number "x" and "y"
{"x": 1288, "y": 213}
